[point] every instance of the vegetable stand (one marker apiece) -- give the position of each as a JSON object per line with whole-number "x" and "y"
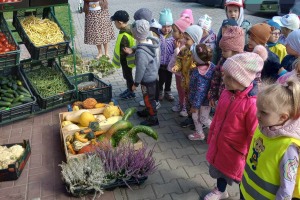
{"x": 45, "y": 58}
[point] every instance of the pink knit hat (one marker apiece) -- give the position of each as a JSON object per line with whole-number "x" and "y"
{"x": 243, "y": 67}
{"x": 233, "y": 39}
{"x": 188, "y": 13}
{"x": 183, "y": 23}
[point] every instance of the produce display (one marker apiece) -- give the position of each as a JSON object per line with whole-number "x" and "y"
{"x": 48, "y": 82}
{"x": 5, "y": 46}
{"x": 42, "y": 31}
{"x": 10, "y": 155}
{"x": 84, "y": 86}
{"x": 12, "y": 92}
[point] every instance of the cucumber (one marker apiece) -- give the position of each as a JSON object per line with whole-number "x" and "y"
{"x": 10, "y": 91}
{"x": 9, "y": 95}
{"x": 128, "y": 113}
{"x": 16, "y": 94}
{"x": 4, "y": 82}
{"x": 7, "y": 99}
{"x": 14, "y": 86}
{"x": 5, "y": 87}
{"x": 18, "y": 99}
{"x": 22, "y": 89}
{"x": 9, "y": 84}
{"x": 19, "y": 82}
{"x": 143, "y": 129}
{"x": 15, "y": 104}
{"x": 24, "y": 94}
{"x": 4, "y": 103}
{"x": 2, "y": 108}
{"x": 26, "y": 99}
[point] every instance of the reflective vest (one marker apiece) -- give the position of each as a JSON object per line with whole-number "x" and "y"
{"x": 130, "y": 58}
{"x": 261, "y": 178}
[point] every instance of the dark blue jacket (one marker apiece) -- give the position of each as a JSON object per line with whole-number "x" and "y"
{"x": 287, "y": 62}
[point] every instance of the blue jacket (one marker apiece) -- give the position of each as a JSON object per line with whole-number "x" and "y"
{"x": 199, "y": 87}
{"x": 287, "y": 62}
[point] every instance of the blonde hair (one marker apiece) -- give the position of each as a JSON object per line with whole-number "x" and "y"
{"x": 295, "y": 64}
{"x": 282, "y": 98}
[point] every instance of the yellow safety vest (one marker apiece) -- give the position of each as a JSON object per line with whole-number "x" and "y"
{"x": 130, "y": 58}
{"x": 261, "y": 178}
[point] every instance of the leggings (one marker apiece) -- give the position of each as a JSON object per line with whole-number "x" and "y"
{"x": 165, "y": 78}
{"x": 222, "y": 184}
{"x": 180, "y": 90}
{"x": 201, "y": 117}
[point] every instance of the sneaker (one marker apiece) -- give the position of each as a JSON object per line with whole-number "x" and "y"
{"x": 169, "y": 96}
{"x": 160, "y": 97}
{"x": 124, "y": 92}
{"x": 197, "y": 136}
{"x": 216, "y": 195}
{"x": 187, "y": 122}
{"x": 183, "y": 113}
{"x": 142, "y": 103}
{"x": 177, "y": 108}
{"x": 193, "y": 127}
{"x": 129, "y": 95}
{"x": 143, "y": 113}
{"x": 150, "y": 121}
{"x": 158, "y": 105}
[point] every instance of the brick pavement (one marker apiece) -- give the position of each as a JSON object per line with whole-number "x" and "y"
{"x": 183, "y": 170}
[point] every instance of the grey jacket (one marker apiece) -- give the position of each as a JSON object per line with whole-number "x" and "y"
{"x": 146, "y": 62}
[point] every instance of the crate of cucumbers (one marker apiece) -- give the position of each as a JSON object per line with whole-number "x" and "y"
{"x": 16, "y": 99}
{"x": 49, "y": 83}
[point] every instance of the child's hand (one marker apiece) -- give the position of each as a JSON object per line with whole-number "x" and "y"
{"x": 212, "y": 103}
{"x": 134, "y": 88}
{"x": 177, "y": 44}
{"x": 174, "y": 69}
{"x": 193, "y": 110}
{"x": 128, "y": 50}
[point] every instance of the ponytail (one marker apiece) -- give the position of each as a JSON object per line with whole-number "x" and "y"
{"x": 294, "y": 86}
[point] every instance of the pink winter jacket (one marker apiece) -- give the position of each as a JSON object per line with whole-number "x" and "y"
{"x": 231, "y": 131}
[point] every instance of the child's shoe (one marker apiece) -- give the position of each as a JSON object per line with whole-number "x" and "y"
{"x": 124, "y": 92}
{"x": 142, "y": 103}
{"x": 160, "y": 97}
{"x": 158, "y": 105}
{"x": 216, "y": 195}
{"x": 169, "y": 96}
{"x": 143, "y": 113}
{"x": 129, "y": 95}
{"x": 150, "y": 121}
{"x": 177, "y": 108}
{"x": 197, "y": 136}
{"x": 183, "y": 112}
{"x": 187, "y": 122}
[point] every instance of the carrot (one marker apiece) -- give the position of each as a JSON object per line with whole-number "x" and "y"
{"x": 71, "y": 149}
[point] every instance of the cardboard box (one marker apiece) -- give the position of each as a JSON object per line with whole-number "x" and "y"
{"x": 37, "y": 3}
{"x": 4, "y": 5}
{"x": 14, "y": 170}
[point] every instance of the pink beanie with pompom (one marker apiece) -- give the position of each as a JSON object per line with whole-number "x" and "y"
{"x": 244, "y": 67}
{"x": 183, "y": 23}
{"x": 188, "y": 13}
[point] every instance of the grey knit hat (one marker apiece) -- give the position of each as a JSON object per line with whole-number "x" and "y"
{"x": 143, "y": 13}
{"x": 140, "y": 29}
{"x": 195, "y": 32}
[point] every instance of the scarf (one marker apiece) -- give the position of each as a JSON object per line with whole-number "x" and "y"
{"x": 102, "y": 3}
{"x": 270, "y": 44}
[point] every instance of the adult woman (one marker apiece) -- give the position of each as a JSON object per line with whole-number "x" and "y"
{"x": 98, "y": 27}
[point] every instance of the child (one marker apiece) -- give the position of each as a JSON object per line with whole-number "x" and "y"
{"x": 179, "y": 28}
{"x": 199, "y": 85}
{"x": 208, "y": 37}
{"x": 184, "y": 64}
{"x": 259, "y": 34}
{"x": 288, "y": 23}
{"x": 273, "y": 159}
{"x": 167, "y": 49}
{"x": 154, "y": 27}
{"x": 234, "y": 122}
{"x": 146, "y": 70}
{"x": 125, "y": 39}
{"x": 273, "y": 44}
{"x": 293, "y": 50}
{"x": 231, "y": 44}
{"x": 234, "y": 10}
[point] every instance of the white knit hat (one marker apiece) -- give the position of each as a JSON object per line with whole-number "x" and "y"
{"x": 205, "y": 22}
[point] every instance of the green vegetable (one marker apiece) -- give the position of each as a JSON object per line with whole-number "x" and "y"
{"x": 112, "y": 140}
{"x": 9, "y": 95}
{"x": 4, "y": 82}
{"x": 22, "y": 89}
{"x": 16, "y": 94}
{"x": 14, "y": 86}
{"x": 128, "y": 113}
{"x": 9, "y": 84}
{"x": 143, "y": 129}
{"x": 4, "y": 103}
{"x": 18, "y": 99}
{"x": 119, "y": 135}
{"x": 24, "y": 94}
{"x": 9, "y": 91}
{"x": 95, "y": 126}
{"x": 90, "y": 135}
{"x": 26, "y": 99}
{"x": 7, "y": 99}
{"x": 2, "y": 108}
{"x": 15, "y": 104}
{"x": 118, "y": 126}
{"x": 19, "y": 82}
{"x": 5, "y": 87}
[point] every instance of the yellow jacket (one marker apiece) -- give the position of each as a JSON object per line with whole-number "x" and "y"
{"x": 279, "y": 50}
{"x": 183, "y": 65}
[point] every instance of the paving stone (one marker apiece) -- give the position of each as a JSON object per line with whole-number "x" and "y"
{"x": 174, "y": 174}
{"x": 153, "y": 178}
{"x": 142, "y": 193}
{"x": 167, "y": 188}
{"x": 164, "y": 130}
{"x": 185, "y": 151}
{"x": 192, "y": 183}
{"x": 209, "y": 180}
{"x": 185, "y": 142}
{"x": 5, "y": 192}
{"x": 191, "y": 195}
{"x": 118, "y": 194}
{"x": 164, "y": 155}
{"x": 166, "y": 197}
{"x": 163, "y": 165}
{"x": 197, "y": 159}
{"x": 150, "y": 140}
{"x": 180, "y": 162}
{"x": 201, "y": 148}
{"x": 195, "y": 170}
{"x": 174, "y": 136}
{"x": 169, "y": 145}
{"x": 170, "y": 122}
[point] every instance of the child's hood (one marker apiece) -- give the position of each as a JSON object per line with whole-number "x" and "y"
{"x": 291, "y": 128}
{"x": 241, "y": 16}
{"x": 126, "y": 29}
{"x": 151, "y": 49}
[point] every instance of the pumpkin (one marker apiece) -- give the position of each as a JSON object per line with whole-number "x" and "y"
{"x": 77, "y": 103}
{"x": 76, "y": 108}
{"x": 81, "y": 137}
{"x": 111, "y": 103}
{"x": 111, "y": 111}
{"x": 95, "y": 126}
{"x": 85, "y": 131}
{"x": 89, "y": 103}
{"x": 77, "y": 145}
{"x": 65, "y": 123}
{"x": 86, "y": 118}
{"x": 100, "y": 118}
{"x": 90, "y": 135}
{"x": 75, "y": 116}
{"x": 100, "y": 105}
{"x": 111, "y": 121}
{"x": 70, "y": 127}
{"x": 87, "y": 149}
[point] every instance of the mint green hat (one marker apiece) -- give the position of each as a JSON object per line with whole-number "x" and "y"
{"x": 166, "y": 17}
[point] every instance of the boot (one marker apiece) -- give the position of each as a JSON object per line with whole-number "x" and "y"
{"x": 143, "y": 113}
{"x": 150, "y": 121}
{"x": 169, "y": 96}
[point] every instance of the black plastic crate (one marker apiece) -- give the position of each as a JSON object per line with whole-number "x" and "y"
{"x": 103, "y": 92}
{"x": 42, "y": 52}
{"x": 36, "y": 3}
{"x": 10, "y": 58}
{"x": 18, "y": 111}
{"x": 53, "y": 101}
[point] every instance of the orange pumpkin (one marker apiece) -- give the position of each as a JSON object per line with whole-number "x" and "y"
{"x": 78, "y": 103}
{"x": 87, "y": 149}
{"x": 89, "y": 103}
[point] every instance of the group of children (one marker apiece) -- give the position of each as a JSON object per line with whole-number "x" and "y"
{"x": 250, "y": 72}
